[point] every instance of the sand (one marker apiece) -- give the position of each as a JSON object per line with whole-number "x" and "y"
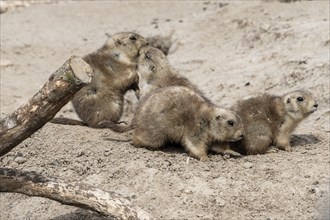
{"x": 230, "y": 50}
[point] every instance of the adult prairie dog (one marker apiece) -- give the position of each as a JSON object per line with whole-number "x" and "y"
{"x": 177, "y": 114}
{"x": 114, "y": 67}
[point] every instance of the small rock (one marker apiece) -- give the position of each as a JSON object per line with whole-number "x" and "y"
{"x": 265, "y": 27}
{"x": 248, "y": 165}
{"x": 313, "y": 190}
{"x": 107, "y": 153}
{"x": 167, "y": 163}
{"x": 188, "y": 191}
{"x": 222, "y": 203}
{"x": 316, "y": 182}
{"x": 213, "y": 200}
{"x": 226, "y": 156}
{"x": 81, "y": 153}
{"x": 20, "y": 160}
{"x": 5, "y": 63}
{"x": 56, "y": 162}
{"x": 13, "y": 164}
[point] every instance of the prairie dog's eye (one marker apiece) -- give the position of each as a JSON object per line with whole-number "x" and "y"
{"x": 133, "y": 38}
{"x": 230, "y": 122}
{"x": 300, "y": 99}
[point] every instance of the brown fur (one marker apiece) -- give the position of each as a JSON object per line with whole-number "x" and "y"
{"x": 271, "y": 119}
{"x": 114, "y": 67}
{"x": 177, "y": 114}
{"x": 155, "y": 72}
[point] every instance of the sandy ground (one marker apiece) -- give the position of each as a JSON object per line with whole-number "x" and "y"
{"x": 230, "y": 50}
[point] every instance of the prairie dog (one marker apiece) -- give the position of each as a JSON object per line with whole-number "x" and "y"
{"x": 114, "y": 67}
{"x": 177, "y": 114}
{"x": 270, "y": 119}
{"x": 155, "y": 72}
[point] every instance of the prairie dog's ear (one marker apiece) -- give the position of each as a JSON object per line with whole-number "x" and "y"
{"x": 118, "y": 41}
{"x": 218, "y": 118}
{"x": 288, "y": 100}
{"x": 148, "y": 55}
{"x": 153, "y": 68}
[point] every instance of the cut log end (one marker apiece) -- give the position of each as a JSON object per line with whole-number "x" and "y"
{"x": 81, "y": 69}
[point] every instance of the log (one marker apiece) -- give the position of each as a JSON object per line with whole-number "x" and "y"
{"x": 43, "y": 106}
{"x": 84, "y": 196}
{"x": 22, "y": 123}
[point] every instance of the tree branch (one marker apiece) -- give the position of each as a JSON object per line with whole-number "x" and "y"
{"x": 84, "y": 196}
{"x": 42, "y": 107}
{"x": 22, "y": 123}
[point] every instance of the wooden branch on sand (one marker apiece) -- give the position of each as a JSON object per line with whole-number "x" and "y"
{"x": 43, "y": 106}
{"x": 22, "y": 123}
{"x": 84, "y": 196}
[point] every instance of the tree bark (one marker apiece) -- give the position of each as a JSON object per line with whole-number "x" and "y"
{"x": 80, "y": 195}
{"x": 42, "y": 107}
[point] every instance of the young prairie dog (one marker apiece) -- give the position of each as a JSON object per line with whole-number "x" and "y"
{"x": 270, "y": 119}
{"x": 114, "y": 67}
{"x": 155, "y": 72}
{"x": 177, "y": 114}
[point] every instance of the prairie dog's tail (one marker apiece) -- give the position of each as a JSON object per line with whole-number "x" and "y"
{"x": 117, "y": 127}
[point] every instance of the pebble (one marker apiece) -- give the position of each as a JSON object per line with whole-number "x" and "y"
{"x": 315, "y": 190}
{"x": 188, "y": 191}
{"x": 5, "y": 63}
{"x": 248, "y": 165}
{"x": 20, "y": 160}
{"x": 13, "y": 164}
{"x": 107, "y": 153}
{"x": 222, "y": 203}
{"x": 167, "y": 163}
{"x": 81, "y": 153}
{"x": 226, "y": 157}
